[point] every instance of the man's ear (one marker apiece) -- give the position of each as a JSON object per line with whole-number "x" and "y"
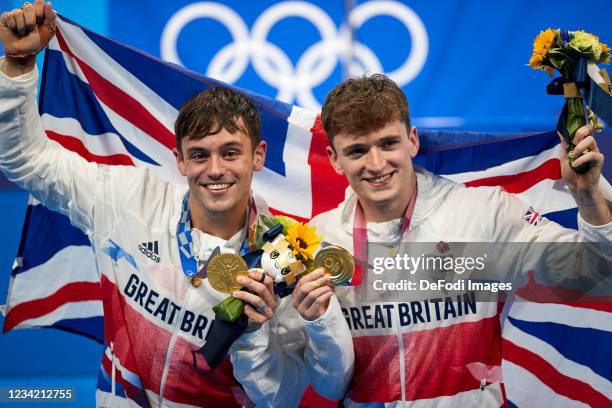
{"x": 259, "y": 155}
{"x": 413, "y": 137}
{"x": 333, "y": 159}
{"x": 180, "y": 162}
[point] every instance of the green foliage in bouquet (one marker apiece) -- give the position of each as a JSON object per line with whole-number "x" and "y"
{"x": 265, "y": 222}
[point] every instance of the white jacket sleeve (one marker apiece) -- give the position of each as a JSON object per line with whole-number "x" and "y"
{"x": 276, "y": 363}
{"x": 580, "y": 259}
{"x": 62, "y": 180}
{"x": 329, "y": 357}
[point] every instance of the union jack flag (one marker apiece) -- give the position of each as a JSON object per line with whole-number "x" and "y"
{"x": 115, "y": 105}
{"x": 532, "y": 216}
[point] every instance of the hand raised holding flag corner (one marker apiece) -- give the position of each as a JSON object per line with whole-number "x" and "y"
{"x": 593, "y": 206}
{"x": 23, "y": 33}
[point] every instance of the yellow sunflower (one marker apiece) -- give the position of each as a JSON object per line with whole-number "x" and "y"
{"x": 303, "y": 239}
{"x": 541, "y": 45}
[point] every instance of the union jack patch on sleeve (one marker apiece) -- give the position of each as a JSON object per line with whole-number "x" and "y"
{"x": 532, "y": 216}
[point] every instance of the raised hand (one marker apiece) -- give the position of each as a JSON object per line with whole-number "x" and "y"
{"x": 584, "y": 141}
{"x": 593, "y": 207}
{"x": 26, "y": 31}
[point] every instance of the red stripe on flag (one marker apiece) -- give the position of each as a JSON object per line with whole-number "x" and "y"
{"x": 76, "y": 145}
{"x": 559, "y": 383}
{"x": 517, "y": 183}
{"x": 538, "y": 293}
{"x": 122, "y": 103}
{"x": 327, "y": 186}
{"x": 72, "y": 292}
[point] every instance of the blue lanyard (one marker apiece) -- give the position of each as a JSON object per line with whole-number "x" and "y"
{"x": 184, "y": 238}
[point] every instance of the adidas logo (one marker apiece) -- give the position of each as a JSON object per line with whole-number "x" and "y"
{"x": 150, "y": 250}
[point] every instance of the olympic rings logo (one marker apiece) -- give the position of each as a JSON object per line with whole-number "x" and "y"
{"x": 316, "y": 64}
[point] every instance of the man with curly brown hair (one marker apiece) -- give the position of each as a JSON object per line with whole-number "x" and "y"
{"x": 423, "y": 351}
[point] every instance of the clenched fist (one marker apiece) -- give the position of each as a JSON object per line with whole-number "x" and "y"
{"x": 24, "y": 32}
{"x": 592, "y": 205}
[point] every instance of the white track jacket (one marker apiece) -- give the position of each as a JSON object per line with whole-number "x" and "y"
{"x": 430, "y": 352}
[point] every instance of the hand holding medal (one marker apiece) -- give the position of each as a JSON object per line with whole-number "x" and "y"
{"x": 337, "y": 262}
{"x": 252, "y": 291}
{"x": 287, "y": 258}
{"x": 284, "y": 248}
{"x": 260, "y": 302}
{"x": 252, "y": 302}
{"x": 289, "y": 249}
{"x": 334, "y": 266}
{"x": 223, "y": 270}
{"x": 292, "y": 258}
{"x": 227, "y": 273}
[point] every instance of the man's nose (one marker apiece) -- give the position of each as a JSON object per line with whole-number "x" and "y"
{"x": 375, "y": 161}
{"x": 216, "y": 168}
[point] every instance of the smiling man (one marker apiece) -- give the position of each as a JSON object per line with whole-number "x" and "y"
{"x": 411, "y": 349}
{"x": 150, "y": 237}
{"x": 219, "y": 169}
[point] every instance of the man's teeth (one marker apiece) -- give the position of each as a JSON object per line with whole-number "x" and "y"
{"x": 380, "y": 179}
{"x": 219, "y": 186}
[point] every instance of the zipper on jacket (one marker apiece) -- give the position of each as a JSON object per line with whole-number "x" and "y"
{"x": 402, "y": 359}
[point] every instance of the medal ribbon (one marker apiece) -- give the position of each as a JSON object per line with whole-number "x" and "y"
{"x": 184, "y": 238}
{"x": 360, "y": 236}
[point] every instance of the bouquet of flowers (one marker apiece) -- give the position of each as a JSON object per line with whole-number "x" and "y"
{"x": 575, "y": 54}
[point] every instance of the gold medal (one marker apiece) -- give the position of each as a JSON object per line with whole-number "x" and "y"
{"x": 223, "y": 270}
{"x": 338, "y": 262}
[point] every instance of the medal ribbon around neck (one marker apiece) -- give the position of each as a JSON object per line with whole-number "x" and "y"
{"x": 360, "y": 236}
{"x": 189, "y": 263}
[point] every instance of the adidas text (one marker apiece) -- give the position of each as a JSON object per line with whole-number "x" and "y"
{"x": 150, "y": 250}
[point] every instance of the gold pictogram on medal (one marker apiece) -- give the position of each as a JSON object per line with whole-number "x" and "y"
{"x": 223, "y": 270}
{"x": 338, "y": 262}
